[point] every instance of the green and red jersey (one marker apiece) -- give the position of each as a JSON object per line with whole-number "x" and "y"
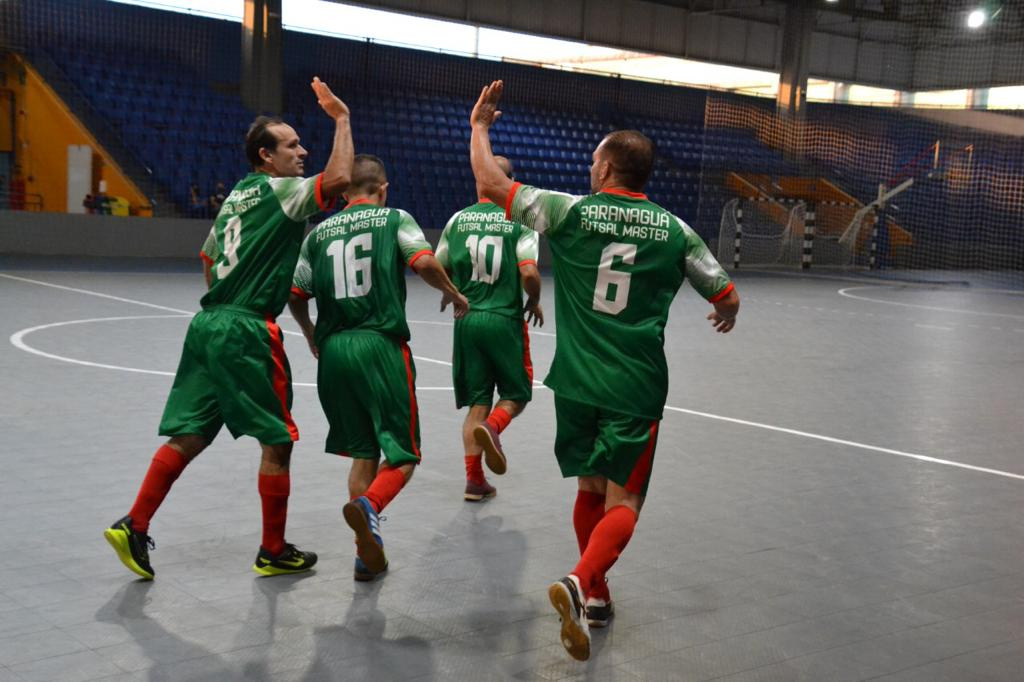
{"x": 353, "y": 263}
{"x": 254, "y": 242}
{"x": 483, "y": 252}
{"x": 618, "y": 261}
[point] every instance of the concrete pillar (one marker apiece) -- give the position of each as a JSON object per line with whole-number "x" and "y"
{"x": 261, "y": 56}
{"x": 797, "y": 30}
{"x": 979, "y": 98}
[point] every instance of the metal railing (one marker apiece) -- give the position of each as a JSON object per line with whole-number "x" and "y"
{"x": 20, "y": 201}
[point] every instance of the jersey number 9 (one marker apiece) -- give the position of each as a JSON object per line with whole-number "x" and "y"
{"x": 232, "y": 240}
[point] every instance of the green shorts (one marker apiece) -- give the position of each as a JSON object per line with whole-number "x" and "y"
{"x": 491, "y": 351}
{"x": 367, "y": 387}
{"x": 594, "y": 442}
{"x": 233, "y": 371}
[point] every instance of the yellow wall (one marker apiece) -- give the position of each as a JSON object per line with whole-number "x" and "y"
{"x": 45, "y": 127}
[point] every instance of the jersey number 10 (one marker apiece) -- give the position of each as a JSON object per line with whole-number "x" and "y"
{"x": 477, "y": 247}
{"x": 352, "y": 270}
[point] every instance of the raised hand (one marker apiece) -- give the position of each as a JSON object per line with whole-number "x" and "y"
{"x": 485, "y": 111}
{"x": 328, "y": 101}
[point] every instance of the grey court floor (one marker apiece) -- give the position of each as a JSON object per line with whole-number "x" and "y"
{"x": 838, "y": 495}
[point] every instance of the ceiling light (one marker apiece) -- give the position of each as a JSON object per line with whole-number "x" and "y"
{"x": 976, "y": 18}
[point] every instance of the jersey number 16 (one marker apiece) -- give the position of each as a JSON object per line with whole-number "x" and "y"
{"x": 352, "y": 270}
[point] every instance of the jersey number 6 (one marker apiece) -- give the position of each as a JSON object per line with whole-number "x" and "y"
{"x": 606, "y": 278}
{"x": 352, "y": 271}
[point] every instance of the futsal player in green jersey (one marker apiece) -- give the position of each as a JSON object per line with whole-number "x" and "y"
{"x": 353, "y": 264}
{"x": 618, "y": 260}
{"x": 233, "y": 368}
{"x": 491, "y": 261}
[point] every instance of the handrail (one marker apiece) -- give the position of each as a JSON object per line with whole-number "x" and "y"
{"x": 21, "y": 201}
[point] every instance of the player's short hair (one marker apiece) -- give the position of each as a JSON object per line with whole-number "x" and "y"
{"x": 260, "y": 137}
{"x": 368, "y": 174}
{"x": 631, "y": 154}
{"x": 505, "y": 164}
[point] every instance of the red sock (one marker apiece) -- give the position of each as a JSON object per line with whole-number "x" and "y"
{"x": 499, "y": 419}
{"x": 474, "y": 471}
{"x": 274, "y": 490}
{"x": 387, "y": 484}
{"x": 609, "y": 538}
{"x": 589, "y": 510}
{"x": 164, "y": 470}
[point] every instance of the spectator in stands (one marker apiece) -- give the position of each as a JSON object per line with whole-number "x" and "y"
{"x": 89, "y": 204}
{"x": 217, "y": 199}
{"x": 196, "y": 205}
{"x": 101, "y": 203}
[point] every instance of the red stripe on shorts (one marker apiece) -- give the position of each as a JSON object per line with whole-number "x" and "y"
{"x": 413, "y": 409}
{"x": 281, "y": 376}
{"x": 642, "y": 468}
{"x": 527, "y": 360}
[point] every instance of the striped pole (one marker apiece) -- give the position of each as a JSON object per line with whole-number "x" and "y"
{"x": 805, "y": 262}
{"x": 874, "y": 241}
{"x": 739, "y": 235}
{"x": 792, "y": 200}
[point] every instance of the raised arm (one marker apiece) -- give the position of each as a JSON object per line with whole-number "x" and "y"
{"x": 491, "y": 181}
{"x": 338, "y": 172}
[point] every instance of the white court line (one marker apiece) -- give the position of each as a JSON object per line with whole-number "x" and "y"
{"x": 934, "y": 326}
{"x": 533, "y": 332}
{"x": 96, "y": 293}
{"x": 17, "y": 337}
{"x": 416, "y": 357}
{"x": 845, "y": 292}
{"x": 17, "y": 340}
{"x": 850, "y": 443}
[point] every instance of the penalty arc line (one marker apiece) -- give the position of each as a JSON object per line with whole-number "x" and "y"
{"x": 845, "y": 292}
{"x": 17, "y": 337}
